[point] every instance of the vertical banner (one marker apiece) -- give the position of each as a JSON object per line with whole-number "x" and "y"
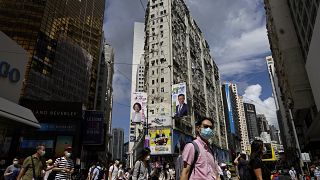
{"x": 138, "y": 107}
{"x": 179, "y": 100}
{"x": 94, "y": 130}
{"x": 160, "y": 141}
{"x": 230, "y": 114}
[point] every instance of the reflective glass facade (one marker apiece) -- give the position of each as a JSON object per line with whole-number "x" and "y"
{"x": 39, "y": 26}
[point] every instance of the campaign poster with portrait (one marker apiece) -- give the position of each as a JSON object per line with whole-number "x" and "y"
{"x": 179, "y": 100}
{"x": 160, "y": 141}
{"x": 138, "y": 107}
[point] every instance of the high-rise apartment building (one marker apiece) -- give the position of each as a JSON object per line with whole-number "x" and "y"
{"x": 63, "y": 40}
{"x": 103, "y": 99}
{"x": 251, "y": 117}
{"x": 137, "y": 83}
{"x": 280, "y": 108}
{"x": 292, "y": 29}
{"x": 176, "y": 53}
{"x": 232, "y": 117}
{"x": 263, "y": 125}
{"x": 245, "y": 143}
{"x": 117, "y": 143}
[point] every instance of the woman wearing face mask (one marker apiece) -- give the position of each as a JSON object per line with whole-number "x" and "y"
{"x": 140, "y": 171}
{"x": 12, "y": 171}
{"x": 258, "y": 170}
{"x": 64, "y": 165}
{"x": 164, "y": 174}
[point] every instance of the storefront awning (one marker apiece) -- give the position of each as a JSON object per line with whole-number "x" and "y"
{"x": 17, "y": 113}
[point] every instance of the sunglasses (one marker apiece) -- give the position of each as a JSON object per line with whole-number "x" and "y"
{"x": 207, "y": 126}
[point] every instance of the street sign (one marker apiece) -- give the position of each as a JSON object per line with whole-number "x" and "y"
{"x": 305, "y": 157}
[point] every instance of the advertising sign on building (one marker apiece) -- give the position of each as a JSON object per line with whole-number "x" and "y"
{"x": 160, "y": 141}
{"x": 179, "y": 141}
{"x": 179, "y": 100}
{"x": 138, "y": 107}
{"x": 13, "y": 62}
{"x": 94, "y": 132}
{"x": 230, "y": 114}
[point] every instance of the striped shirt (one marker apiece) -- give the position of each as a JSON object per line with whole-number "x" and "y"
{"x": 63, "y": 163}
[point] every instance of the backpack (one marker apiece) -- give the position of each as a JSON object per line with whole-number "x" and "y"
{"x": 101, "y": 173}
{"x": 196, "y": 155}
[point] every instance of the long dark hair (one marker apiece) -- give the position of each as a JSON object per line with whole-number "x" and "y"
{"x": 145, "y": 152}
{"x": 256, "y": 149}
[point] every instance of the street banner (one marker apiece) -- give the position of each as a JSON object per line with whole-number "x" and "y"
{"x": 230, "y": 113}
{"x": 138, "y": 107}
{"x": 160, "y": 141}
{"x": 179, "y": 141}
{"x": 94, "y": 130}
{"x": 179, "y": 100}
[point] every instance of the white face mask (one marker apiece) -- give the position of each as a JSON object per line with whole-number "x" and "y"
{"x": 147, "y": 158}
{"x": 15, "y": 162}
{"x": 43, "y": 153}
{"x": 67, "y": 154}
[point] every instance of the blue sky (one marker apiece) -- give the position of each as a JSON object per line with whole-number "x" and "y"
{"x": 235, "y": 31}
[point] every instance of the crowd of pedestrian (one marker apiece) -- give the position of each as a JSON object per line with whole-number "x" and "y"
{"x": 197, "y": 162}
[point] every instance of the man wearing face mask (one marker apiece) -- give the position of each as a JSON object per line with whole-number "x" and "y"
{"x": 33, "y": 166}
{"x": 203, "y": 166}
{"x": 12, "y": 171}
{"x": 64, "y": 165}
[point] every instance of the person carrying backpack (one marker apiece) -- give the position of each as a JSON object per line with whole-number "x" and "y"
{"x": 97, "y": 172}
{"x": 140, "y": 171}
{"x": 198, "y": 159}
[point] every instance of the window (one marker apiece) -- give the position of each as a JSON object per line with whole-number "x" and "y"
{"x": 161, "y": 43}
{"x": 162, "y": 89}
{"x": 152, "y": 72}
{"x": 152, "y": 102}
{"x": 152, "y": 111}
{"x": 161, "y": 26}
{"x": 161, "y": 99}
{"x": 165, "y": 11}
{"x": 152, "y": 16}
{"x": 152, "y": 91}
{"x": 162, "y": 80}
{"x": 152, "y": 29}
{"x": 152, "y": 63}
{"x": 152, "y": 81}
{"x": 161, "y": 4}
{"x": 162, "y": 70}
{"x": 161, "y": 19}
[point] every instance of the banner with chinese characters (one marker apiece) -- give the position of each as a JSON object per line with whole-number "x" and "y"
{"x": 94, "y": 130}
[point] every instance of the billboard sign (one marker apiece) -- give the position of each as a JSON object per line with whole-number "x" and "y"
{"x": 138, "y": 107}
{"x": 230, "y": 114}
{"x": 179, "y": 100}
{"x": 160, "y": 141}
{"x": 94, "y": 132}
{"x": 179, "y": 141}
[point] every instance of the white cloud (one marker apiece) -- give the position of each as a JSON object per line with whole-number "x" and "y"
{"x": 267, "y": 107}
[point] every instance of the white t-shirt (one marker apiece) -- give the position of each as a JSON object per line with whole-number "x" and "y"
{"x": 292, "y": 174}
{"x": 114, "y": 172}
